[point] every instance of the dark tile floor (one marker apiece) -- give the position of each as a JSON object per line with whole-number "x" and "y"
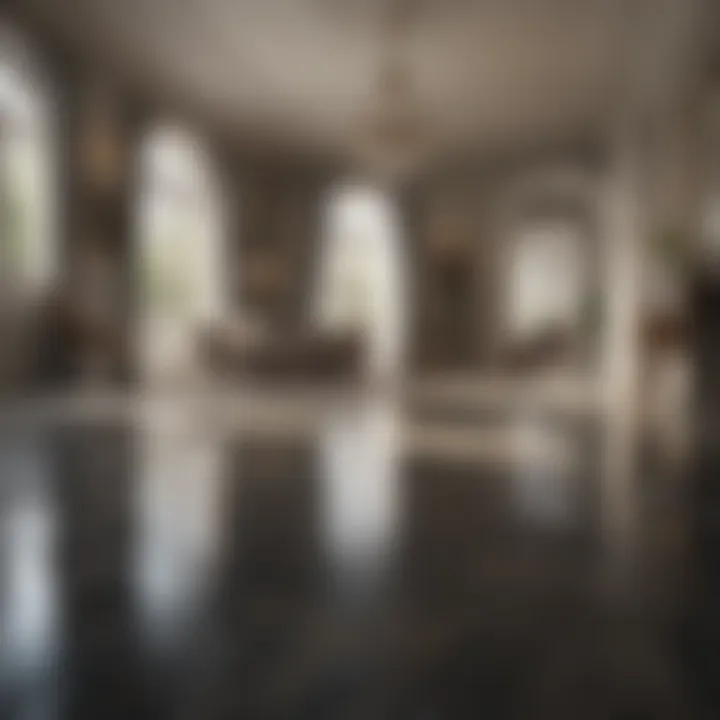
{"x": 164, "y": 577}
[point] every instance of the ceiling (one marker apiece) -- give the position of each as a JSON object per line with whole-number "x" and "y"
{"x": 490, "y": 73}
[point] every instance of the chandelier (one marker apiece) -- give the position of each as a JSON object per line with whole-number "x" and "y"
{"x": 394, "y": 134}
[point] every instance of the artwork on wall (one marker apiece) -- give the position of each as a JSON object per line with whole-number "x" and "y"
{"x": 102, "y": 151}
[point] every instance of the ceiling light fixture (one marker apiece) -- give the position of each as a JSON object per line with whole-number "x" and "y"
{"x": 394, "y": 133}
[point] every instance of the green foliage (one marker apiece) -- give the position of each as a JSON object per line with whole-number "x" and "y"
{"x": 167, "y": 280}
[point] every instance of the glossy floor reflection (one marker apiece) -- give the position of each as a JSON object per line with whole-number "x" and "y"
{"x": 150, "y": 572}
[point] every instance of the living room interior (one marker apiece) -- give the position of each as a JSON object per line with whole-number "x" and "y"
{"x": 369, "y": 267}
{"x": 475, "y": 199}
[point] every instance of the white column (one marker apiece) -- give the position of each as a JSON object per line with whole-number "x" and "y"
{"x": 624, "y": 238}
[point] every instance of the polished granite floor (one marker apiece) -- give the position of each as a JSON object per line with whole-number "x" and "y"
{"x": 162, "y": 574}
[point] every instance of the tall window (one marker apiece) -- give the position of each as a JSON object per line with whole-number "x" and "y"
{"x": 181, "y": 227}
{"x": 27, "y": 247}
{"x": 546, "y": 280}
{"x": 362, "y": 288}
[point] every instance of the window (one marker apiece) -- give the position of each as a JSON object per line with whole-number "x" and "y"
{"x": 181, "y": 249}
{"x": 361, "y": 288}
{"x": 546, "y": 280}
{"x": 27, "y": 251}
